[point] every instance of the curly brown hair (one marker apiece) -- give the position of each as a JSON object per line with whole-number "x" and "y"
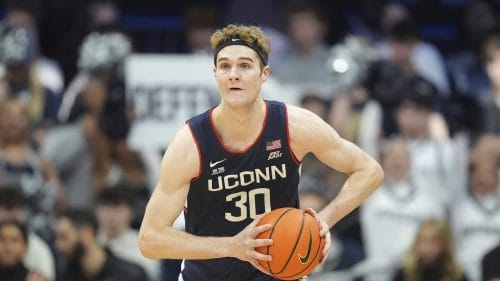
{"x": 250, "y": 34}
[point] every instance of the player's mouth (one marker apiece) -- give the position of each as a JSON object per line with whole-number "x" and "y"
{"x": 235, "y": 89}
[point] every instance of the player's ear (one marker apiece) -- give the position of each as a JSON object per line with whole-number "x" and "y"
{"x": 265, "y": 73}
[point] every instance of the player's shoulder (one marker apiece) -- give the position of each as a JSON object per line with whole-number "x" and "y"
{"x": 183, "y": 140}
{"x": 298, "y": 112}
{"x": 300, "y": 119}
{"x": 199, "y": 120}
{"x": 182, "y": 157}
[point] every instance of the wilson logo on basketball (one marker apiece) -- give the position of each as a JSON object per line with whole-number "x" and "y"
{"x": 304, "y": 259}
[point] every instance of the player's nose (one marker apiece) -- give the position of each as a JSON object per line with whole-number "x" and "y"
{"x": 234, "y": 73}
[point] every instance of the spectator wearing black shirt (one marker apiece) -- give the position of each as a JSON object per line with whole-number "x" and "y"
{"x": 86, "y": 259}
{"x": 490, "y": 262}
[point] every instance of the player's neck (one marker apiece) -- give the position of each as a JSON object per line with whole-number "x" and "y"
{"x": 240, "y": 125}
{"x": 240, "y": 116}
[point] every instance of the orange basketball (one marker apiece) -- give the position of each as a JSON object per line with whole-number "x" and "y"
{"x": 297, "y": 245}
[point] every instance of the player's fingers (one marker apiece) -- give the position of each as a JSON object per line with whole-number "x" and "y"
{"x": 259, "y": 267}
{"x": 261, "y": 228}
{"x": 312, "y": 212}
{"x": 262, "y": 242}
{"x": 257, "y": 219}
{"x": 326, "y": 248}
{"x": 315, "y": 215}
{"x": 323, "y": 229}
{"x": 258, "y": 256}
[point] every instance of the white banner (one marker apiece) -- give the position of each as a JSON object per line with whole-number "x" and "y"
{"x": 166, "y": 90}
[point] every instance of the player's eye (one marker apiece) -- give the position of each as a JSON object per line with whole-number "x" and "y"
{"x": 225, "y": 66}
{"x": 245, "y": 66}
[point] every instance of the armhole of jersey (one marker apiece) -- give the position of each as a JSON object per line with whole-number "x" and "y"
{"x": 288, "y": 138}
{"x": 198, "y": 149}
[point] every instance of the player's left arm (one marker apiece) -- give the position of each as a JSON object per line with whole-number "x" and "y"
{"x": 309, "y": 133}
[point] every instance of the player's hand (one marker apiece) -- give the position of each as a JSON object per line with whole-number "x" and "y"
{"x": 324, "y": 231}
{"x": 244, "y": 244}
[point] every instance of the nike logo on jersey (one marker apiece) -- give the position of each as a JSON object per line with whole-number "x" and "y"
{"x": 304, "y": 259}
{"x": 213, "y": 164}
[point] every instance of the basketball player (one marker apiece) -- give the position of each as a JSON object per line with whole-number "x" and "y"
{"x": 241, "y": 159}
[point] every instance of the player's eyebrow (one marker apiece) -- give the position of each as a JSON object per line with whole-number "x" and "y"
{"x": 240, "y": 58}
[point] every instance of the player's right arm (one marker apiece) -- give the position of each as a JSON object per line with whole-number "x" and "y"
{"x": 157, "y": 237}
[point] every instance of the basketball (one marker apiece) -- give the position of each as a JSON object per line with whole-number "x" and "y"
{"x": 297, "y": 245}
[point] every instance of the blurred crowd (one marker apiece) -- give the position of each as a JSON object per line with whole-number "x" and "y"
{"x": 414, "y": 83}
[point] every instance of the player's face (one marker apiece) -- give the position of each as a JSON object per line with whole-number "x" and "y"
{"x": 239, "y": 75}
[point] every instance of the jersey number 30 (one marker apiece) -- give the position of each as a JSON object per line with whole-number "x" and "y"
{"x": 246, "y": 202}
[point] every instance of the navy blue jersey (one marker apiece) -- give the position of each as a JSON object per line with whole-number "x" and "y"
{"x": 234, "y": 187}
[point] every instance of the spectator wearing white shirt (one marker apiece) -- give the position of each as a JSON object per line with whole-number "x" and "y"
{"x": 391, "y": 217}
{"x": 475, "y": 219}
{"x": 114, "y": 214}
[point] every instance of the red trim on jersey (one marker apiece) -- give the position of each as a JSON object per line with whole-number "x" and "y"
{"x": 227, "y": 149}
{"x": 288, "y": 136}
{"x": 199, "y": 152}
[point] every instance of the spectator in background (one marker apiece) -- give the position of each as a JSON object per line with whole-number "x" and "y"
{"x": 13, "y": 245}
{"x": 313, "y": 168}
{"x": 4, "y": 89}
{"x": 86, "y": 259}
{"x": 475, "y": 218}
{"x": 115, "y": 211}
{"x": 200, "y": 23}
{"x": 427, "y": 137}
{"x": 316, "y": 104}
{"x": 305, "y": 65}
{"x": 358, "y": 118}
{"x": 465, "y": 68}
{"x": 74, "y": 162}
{"x": 355, "y": 114}
{"x": 404, "y": 48}
{"x": 102, "y": 53}
{"x": 38, "y": 258}
{"x": 391, "y": 216}
{"x": 127, "y": 172}
{"x": 431, "y": 257}
{"x": 20, "y": 165}
{"x": 22, "y": 13}
{"x": 490, "y": 268}
{"x": 99, "y": 156}
{"x": 269, "y": 15}
{"x": 491, "y": 103}
{"x": 18, "y": 52}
